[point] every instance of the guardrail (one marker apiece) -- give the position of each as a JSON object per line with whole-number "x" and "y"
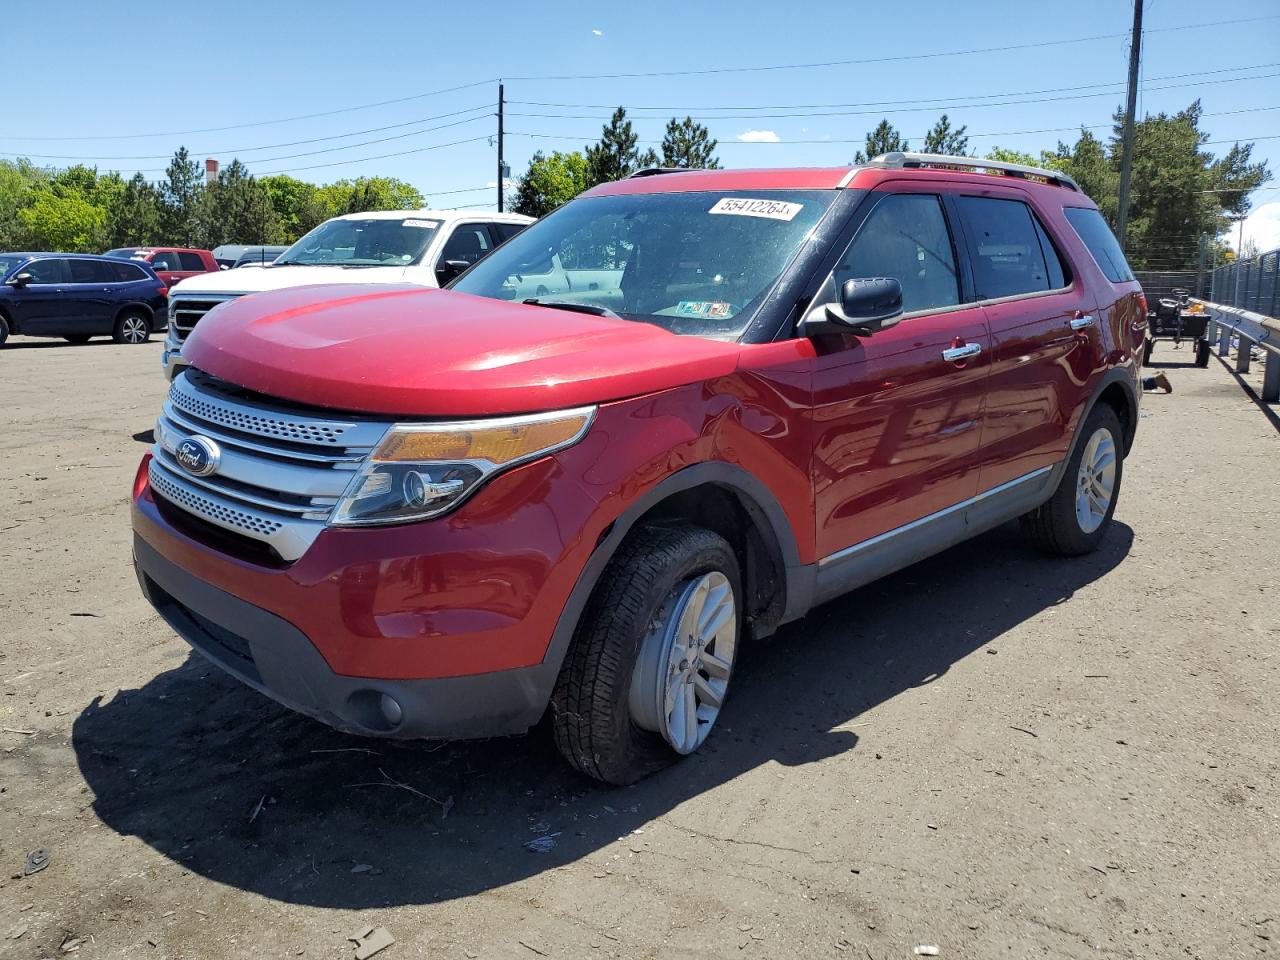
{"x": 1257, "y": 329}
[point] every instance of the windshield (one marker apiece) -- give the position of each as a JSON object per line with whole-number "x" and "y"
{"x": 8, "y": 263}
{"x": 363, "y": 243}
{"x": 694, "y": 263}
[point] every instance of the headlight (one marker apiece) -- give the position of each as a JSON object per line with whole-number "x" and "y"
{"x": 424, "y": 470}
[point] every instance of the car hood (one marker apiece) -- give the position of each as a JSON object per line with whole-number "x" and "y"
{"x": 425, "y": 352}
{"x": 241, "y": 281}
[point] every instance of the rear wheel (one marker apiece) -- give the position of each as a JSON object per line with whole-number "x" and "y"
{"x": 4, "y": 329}
{"x": 1075, "y": 519}
{"x": 132, "y": 327}
{"x": 76, "y": 338}
{"x": 650, "y": 664}
{"x": 1203, "y": 349}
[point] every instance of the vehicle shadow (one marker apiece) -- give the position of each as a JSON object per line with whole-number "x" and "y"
{"x": 53, "y": 343}
{"x": 246, "y": 793}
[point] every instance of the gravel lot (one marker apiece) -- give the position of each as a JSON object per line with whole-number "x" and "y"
{"x": 992, "y": 752}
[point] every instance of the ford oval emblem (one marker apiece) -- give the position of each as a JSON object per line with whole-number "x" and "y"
{"x": 199, "y": 456}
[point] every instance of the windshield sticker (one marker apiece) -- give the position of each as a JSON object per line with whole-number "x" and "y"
{"x": 423, "y": 224}
{"x": 703, "y": 308}
{"x": 768, "y": 209}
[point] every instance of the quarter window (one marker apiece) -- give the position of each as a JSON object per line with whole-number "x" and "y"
{"x": 1102, "y": 244}
{"x": 1013, "y": 252}
{"x": 906, "y": 237}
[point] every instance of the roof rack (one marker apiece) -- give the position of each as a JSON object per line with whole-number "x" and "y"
{"x": 899, "y": 160}
{"x": 657, "y": 171}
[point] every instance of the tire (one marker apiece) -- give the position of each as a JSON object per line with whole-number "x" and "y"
{"x": 76, "y": 338}
{"x": 132, "y": 327}
{"x": 1203, "y": 350}
{"x": 608, "y": 709}
{"x": 4, "y": 329}
{"x": 1146, "y": 352}
{"x": 1062, "y": 527}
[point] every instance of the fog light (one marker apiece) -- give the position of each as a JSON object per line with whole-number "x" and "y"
{"x": 391, "y": 709}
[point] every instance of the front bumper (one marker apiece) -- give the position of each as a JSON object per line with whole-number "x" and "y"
{"x": 171, "y": 360}
{"x": 274, "y": 657}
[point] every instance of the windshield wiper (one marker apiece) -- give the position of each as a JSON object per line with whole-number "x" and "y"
{"x": 592, "y": 309}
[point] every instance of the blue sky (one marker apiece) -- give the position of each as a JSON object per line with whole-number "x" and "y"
{"x": 105, "y": 72}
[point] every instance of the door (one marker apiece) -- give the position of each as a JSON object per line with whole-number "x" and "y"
{"x": 89, "y": 297}
{"x": 897, "y": 415}
{"x": 167, "y": 265}
{"x": 1044, "y": 335}
{"x": 41, "y": 305}
{"x": 468, "y": 244}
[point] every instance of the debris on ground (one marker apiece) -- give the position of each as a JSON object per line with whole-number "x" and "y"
{"x": 926, "y": 950}
{"x": 543, "y": 844}
{"x": 17, "y": 933}
{"x": 37, "y": 860}
{"x": 371, "y": 940}
{"x": 362, "y": 868}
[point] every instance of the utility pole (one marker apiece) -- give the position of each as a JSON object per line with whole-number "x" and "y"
{"x": 1126, "y": 158}
{"x": 501, "y": 165}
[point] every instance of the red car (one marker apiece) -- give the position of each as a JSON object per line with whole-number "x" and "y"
{"x": 441, "y": 513}
{"x": 171, "y": 264}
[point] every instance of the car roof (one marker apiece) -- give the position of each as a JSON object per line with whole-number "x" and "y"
{"x": 45, "y": 253}
{"x": 446, "y": 216}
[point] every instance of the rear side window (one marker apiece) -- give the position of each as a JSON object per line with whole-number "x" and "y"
{"x": 906, "y": 237}
{"x": 1013, "y": 253}
{"x": 91, "y": 271}
{"x": 126, "y": 272}
{"x": 191, "y": 261}
{"x": 1102, "y": 243}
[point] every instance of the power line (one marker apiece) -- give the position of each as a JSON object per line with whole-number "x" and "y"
{"x": 266, "y": 146}
{"x": 266, "y": 123}
{"x": 900, "y": 58}
{"x": 384, "y": 156}
{"x": 939, "y": 101}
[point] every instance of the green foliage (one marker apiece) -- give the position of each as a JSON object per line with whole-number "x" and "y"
{"x": 62, "y": 220}
{"x": 136, "y": 217}
{"x": 883, "y": 139}
{"x": 235, "y": 208}
{"x": 689, "y": 144}
{"x": 549, "y": 182}
{"x": 297, "y": 207}
{"x": 943, "y": 138}
{"x": 616, "y": 156}
{"x": 179, "y": 192}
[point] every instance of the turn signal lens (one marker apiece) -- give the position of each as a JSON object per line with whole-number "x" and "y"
{"x": 499, "y": 442}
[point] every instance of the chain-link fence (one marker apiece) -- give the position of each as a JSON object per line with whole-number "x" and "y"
{"x": 1249, "y": 284}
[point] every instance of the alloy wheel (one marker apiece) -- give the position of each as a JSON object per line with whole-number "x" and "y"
{"x": 682, "y": 673}
{"x": 134, "y": 329}
{"x": 1096, "y": 480}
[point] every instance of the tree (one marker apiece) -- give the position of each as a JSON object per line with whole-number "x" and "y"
{"x": 943, "y": 138}
{"x": 549, "y": 182}
{"x": 19, "y": 180}
{"x": 883, "y": 139}
{"x": 235, "y": 208}
{"x": 61, "y": 220}
{"x": 135, "y": 218}
{"x": 616, "y": 156}
{"x": 688, "y": 144}
{"x": 294, "y": 201}
{"x": 179, "y": 192}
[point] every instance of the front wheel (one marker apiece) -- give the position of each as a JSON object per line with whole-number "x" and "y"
{"x": 649, "y": 667}
{"x": 4, "y": 330}
{"x": 132, "y": 327}
{"x": 1203, "y": 349}
{"x": 1075, "y": 519}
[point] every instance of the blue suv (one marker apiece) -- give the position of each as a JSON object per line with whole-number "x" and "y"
{"x": 78, "y": 296}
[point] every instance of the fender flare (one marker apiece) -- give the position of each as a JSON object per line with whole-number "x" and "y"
{"x": 755, "y": 497}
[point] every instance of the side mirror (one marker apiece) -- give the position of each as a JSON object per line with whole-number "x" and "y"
{"x": 866, "y": 305}
{"x": 449, "y": 269}
{"x": 20, "y": 279}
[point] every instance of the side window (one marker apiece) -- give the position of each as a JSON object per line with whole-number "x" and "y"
{"x": 126, "y": 272}
{"x": 165, "y": 261}
{"x": 469, "y": 242}
{"x": 1102, "y": 243}
{"x": 191, "y": 261}
{"x": 49, "y": 271}
{"x": 502, "y": 232}
{"x": 91, "y": 271}
{"x": 906, "y": 237}
{"x": 1011, "y": 249}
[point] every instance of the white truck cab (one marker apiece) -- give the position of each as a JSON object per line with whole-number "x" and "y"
{"x": 426, "y": 247}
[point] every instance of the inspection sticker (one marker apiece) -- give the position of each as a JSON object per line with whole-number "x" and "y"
{"x": 421, "y": 224}
{"x": 746, "y": 207}
{"x": 703, "y": 308}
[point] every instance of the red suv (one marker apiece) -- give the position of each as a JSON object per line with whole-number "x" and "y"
{"x": 441, "y": 513}
{"x": 171, "y": 264}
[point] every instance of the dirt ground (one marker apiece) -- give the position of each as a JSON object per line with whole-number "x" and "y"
{"x": 992, "y": 752}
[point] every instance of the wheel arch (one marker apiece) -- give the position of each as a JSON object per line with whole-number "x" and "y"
{"x": 137, "y": 307}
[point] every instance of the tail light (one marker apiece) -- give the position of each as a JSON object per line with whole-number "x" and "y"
{"x": 140, "y": 478}
{"x": 1142, "y": 303}
{"x": 164, "y": 290}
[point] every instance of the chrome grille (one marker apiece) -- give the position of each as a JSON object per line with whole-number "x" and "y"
{"x": 185, "y": 312}
{"x": 282, "y": 469}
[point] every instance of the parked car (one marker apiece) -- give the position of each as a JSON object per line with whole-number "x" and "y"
{"x": 257, "y": 256}
{"x": 423, "y": 247}
{"x": 78, "y": 296}
{"x": 420, "y": 513}
{"x": 229, "y": 254}
{"x": 171, "y": 264}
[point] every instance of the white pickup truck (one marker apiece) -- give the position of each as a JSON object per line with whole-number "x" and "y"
{"x": 426, "y": 247}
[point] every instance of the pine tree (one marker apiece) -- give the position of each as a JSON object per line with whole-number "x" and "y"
{"x": 943, "y": 138}
{"x": 688, "y": 144}
{"x": 615, "y": 156}
{"x": 883, "y": 139}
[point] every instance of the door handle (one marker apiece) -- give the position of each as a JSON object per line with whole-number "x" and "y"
{"x": 954, "y": 354}
{"x": 1079, "y": 323}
